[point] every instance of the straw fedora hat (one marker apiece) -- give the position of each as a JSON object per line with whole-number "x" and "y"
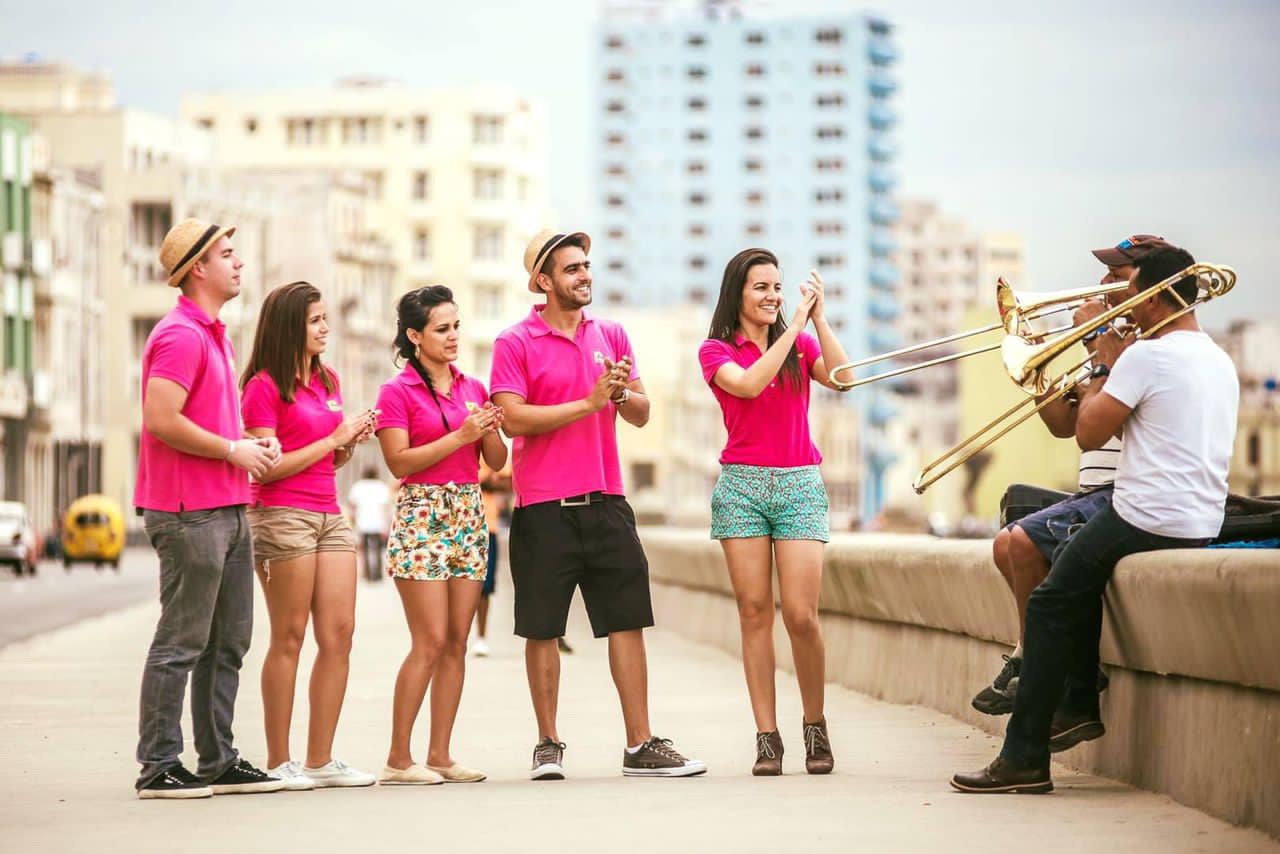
{"x": 185, "y": 243}
{"x": 540, "y": 247}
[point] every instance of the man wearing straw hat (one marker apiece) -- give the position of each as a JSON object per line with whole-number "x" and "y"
{"x": 562, "y": 377}
{"x": 191, "y": 491}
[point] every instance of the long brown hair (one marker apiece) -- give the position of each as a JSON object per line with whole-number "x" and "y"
{"x": 724, "y": 321}
{"x": 280, "y": 343}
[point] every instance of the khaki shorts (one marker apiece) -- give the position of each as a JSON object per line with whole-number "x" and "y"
{"x": 286, "y": 533}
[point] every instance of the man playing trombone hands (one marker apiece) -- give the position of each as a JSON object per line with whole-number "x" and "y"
{"x": 1024, "y": 550}
{"x": 1174, "y": 395}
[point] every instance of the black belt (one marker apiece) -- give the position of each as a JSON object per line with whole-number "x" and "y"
{"x": 584, "y": 500}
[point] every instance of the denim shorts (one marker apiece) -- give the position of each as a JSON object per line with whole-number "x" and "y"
{"x": 761, "y": 501}
{"x": 1050, "y": 529}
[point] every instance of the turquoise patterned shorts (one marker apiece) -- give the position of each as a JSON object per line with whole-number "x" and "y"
{"x": 759, "y": 501}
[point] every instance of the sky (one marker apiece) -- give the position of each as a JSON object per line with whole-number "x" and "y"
{"x": 1073, "y": 124}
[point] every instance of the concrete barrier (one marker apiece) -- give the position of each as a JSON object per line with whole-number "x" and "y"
{"x": 1191, "y": 641}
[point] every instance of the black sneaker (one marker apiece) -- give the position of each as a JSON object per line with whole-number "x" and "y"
{"x": 1069, "y": 729}
{"x": 176, "y": 783}
{"x": 997, "y": 698}
{"x": 563, "y": 646}
{"x": 548, "y": 760}
{"x": 243, "y": 779}
{"x": 658, "y": 758}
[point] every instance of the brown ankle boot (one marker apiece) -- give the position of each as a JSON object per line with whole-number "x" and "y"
{"x": 768, "y": 755}
{"x": 817, "y": 748}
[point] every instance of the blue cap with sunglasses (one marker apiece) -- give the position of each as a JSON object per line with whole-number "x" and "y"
{"x": 1130, "y": 250}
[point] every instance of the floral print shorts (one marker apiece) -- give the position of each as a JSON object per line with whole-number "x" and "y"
{"x": 438, "y": 533}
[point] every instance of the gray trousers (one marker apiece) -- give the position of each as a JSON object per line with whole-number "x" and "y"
{"x": 206, "y": 622}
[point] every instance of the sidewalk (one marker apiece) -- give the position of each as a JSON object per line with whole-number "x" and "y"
{"x": 68, "y": 724}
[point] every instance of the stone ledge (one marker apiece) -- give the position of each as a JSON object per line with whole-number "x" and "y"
{"x": 1210, "y": 614}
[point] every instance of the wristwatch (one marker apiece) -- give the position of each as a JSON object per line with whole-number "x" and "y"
{"x": 622, "y": 398}
{"x": 1099, "y": 370}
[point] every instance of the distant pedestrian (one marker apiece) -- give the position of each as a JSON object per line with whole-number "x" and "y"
{"x": 370, "y": 500}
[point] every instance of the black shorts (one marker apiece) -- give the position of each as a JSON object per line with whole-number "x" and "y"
{"x": 555, "y": 548}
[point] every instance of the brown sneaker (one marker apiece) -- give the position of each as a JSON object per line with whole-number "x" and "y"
{"x": 657, "y": 757}
{"x": 817, "y": 749}
{"x": 768, "y": 755}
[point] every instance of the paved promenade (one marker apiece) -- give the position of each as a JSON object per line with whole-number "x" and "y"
{"x": 68, "y": 721}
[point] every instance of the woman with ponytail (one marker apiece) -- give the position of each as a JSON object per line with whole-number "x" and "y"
{"x": 434, "y": 425}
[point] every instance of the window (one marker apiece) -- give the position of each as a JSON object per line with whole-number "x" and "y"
{"x": 616, "y": 297}
{"x": 373, "y": 185}
{"x": 697, "y": 229}
{"x": 697, "y": 103}
{"x": 755, "y": 69}
{"x": 488, "y": 243}
{"x": 360, "y": 131}
{"x": 754, "y": 229}
{"x": 695, "y": 167}
{"x": 755, "y": 37}
{"x": 149, "y": 222}
{"x": 697, "y": 262}
{"x": 615, "y": 139}
{"x": 695, "y": 72}
{"x": 828, "y": 194}
{"x": 422, "y": 245}
{"x": 696, "y": 135}
{"x": 615, "y": 75}
{"x": 695, "y": 40}
{"x": 697, "y": 198}
{"x": 753, "y": 132}
{"x": 830, "y": 262}
{"x": 828, "y": 69}
{"x": 616, "y": 169}
{"x": 698, "y": 295}
{"x": 830, "y": 99}
{"x": 486, "y": 130}
{"x": 205, "y": 123}
{"x": 421, "y": 186}
{"x": 488, "y": 296}
{"x": 614, "y": 200}
{"x": 251, "y": 125}
{"x": 829, "y": 132}
{"x": 753, "y": 164}
{"x": 304, "y": 131}
{"x": 421, "y": 129}
{"x": 828, "y": 35}
{"x": 616, "y": 265}
{"x": 616, "y": 233}
{"x": 615, "y": 106}
{"x": 829, "y": 164}
{"x": 755, "y": 197}
{"x": 828, "y": 227}
{"x": 753, "y": 102}
{"x": 486, "y": 184}
{"x": 614, "y": 43}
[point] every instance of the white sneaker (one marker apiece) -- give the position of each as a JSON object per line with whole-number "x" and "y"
{"x": 294, "y": 779}
{"x": 337, "y": 774}
{"x": 480, "y": 649}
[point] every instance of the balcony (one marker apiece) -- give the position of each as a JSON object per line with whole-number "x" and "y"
{"x": 883, "y": 212}
{"x": 881, "y": 148}
{"x": 883, "y": 339}
{"x": 12, "y": 255}
{"x": 883, "y": 276}
{"x": 881, "y": 179}
{"x": 40, "y": 256}
{"x": 881, "y": 116}
{"x": 882, "y": 243}
{"x": 13, "y": 395}
{"x": 884, "y": 308}
{"x": 881, "y": 412}
{"x": 881, "y": 51}
{"x": 881, "y": 84}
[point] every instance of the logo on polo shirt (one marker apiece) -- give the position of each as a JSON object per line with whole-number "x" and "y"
{"x": 333, "y": 405}
{"x": 599, "y": 357}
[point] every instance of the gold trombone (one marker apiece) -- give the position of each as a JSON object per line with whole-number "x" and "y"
{"x": 1027, "y": 363}
{"x": 1017, "y": 311}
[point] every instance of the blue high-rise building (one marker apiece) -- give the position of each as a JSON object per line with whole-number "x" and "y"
{"x": 720, "y": 130}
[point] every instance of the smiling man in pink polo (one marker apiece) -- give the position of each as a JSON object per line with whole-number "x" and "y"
{"x": 192, "y": 490}
{"x": 562, "y": 376}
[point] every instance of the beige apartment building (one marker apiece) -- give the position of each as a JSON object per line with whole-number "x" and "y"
{"x": 456, "y": 178}
{"x": 948, "y": 269}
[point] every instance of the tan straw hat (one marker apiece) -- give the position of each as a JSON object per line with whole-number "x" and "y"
{"x": 185, "y": 243}
{"x": 540, "y": 247}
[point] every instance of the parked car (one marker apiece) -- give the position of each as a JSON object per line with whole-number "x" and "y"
{"x": 18, "y": 545}
{"x": 93, "y": 532}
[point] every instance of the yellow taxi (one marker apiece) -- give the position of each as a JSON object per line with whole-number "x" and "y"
{"x": 93, "y": 532}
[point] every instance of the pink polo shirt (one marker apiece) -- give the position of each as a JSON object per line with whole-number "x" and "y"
{"x": 406, "y": 403}
{"x": 191, "y": 349}
{"x": 545, "y": 367}
{"x": 773, "y": 428}
{"x": 314, "y": 414}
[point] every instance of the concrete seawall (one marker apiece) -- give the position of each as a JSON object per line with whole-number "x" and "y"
{"x": 1191, "y": 641}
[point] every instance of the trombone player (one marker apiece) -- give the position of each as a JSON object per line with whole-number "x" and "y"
{"x": 1024, "y": 549}
{"x": 1174, "y": 395}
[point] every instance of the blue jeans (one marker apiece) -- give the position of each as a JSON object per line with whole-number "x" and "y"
{"x": 1064, "y": 625}
{"x": 206, "y": 623}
